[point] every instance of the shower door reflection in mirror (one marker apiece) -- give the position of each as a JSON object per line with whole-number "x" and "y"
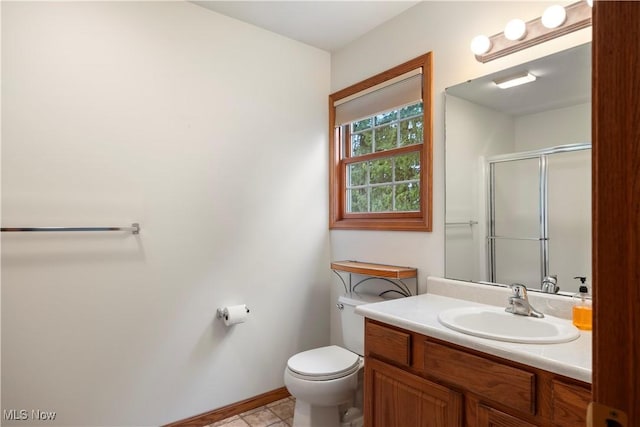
{"x": 514, "y": 238}
{"x": 535, "y": 204}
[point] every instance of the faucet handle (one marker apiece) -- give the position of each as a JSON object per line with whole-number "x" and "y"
{"x": 519, "y": 290}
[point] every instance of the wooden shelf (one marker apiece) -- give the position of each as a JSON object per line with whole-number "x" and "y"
{"x": 375, "y": 270}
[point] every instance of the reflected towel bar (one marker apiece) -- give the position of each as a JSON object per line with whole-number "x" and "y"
{"x": 469, "y": 223}
{"x": 134, "y": 228}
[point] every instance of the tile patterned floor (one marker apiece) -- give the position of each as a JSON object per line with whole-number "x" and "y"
{"x": 275, "y": 414}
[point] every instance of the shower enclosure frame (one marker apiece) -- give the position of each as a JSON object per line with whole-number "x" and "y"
{"x": 543, "y": 183}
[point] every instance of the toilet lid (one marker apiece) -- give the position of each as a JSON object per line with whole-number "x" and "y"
{"x": 324, "y": 363}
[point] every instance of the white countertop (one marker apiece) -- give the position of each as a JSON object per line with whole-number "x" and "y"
{"x": 420, "y": 314}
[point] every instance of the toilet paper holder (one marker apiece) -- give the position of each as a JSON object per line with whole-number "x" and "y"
{"x": 220, "y": 314}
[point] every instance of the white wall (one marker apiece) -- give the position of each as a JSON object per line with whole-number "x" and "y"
{"x": 474, "y": 132}
{"x": 561, "y": 126}
{"x": 209, "y": 132}
{"x": 446, "y": 28}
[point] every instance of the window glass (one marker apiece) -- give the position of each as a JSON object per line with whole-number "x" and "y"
{"x": 407, "y": 167}
{"x": 387, "y": 184}
{"x": 392, "y": 129}
{"x": 361, "y": 143}
{"x": 386, "y": 137}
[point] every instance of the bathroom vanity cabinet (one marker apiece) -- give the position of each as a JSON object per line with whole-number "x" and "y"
{"x": 415, "y": 380}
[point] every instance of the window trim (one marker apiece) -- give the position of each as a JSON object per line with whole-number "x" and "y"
{"x": 400, "y": 221}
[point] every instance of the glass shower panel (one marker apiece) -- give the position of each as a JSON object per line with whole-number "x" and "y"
{"x": 517, "y": 261}
{"x": 516, "y": 195}
{"x": 569, "y": 210}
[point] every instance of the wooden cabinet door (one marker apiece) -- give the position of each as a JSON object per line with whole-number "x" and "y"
{"x": 396, "y": 398}
{"x": 569, "y": 404}
{"x": 490, "y": 417}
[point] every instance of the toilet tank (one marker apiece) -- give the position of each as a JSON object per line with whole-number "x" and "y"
{"x": 352, "y": 324}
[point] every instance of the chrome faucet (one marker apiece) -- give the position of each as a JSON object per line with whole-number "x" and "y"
{"x": 519, "y": 302}
{"x": 550, "y": 285}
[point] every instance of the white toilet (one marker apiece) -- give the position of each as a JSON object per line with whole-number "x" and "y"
{"x": 326, "y": 381}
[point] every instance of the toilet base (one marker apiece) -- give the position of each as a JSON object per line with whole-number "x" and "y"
{"x": 305, "y": 415}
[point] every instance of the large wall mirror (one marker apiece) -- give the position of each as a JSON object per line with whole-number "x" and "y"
{"x": 518, "y": 175}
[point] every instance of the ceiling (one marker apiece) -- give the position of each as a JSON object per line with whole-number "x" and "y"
{"x": 327, "y": 25}
{"x": 563, "y": 79}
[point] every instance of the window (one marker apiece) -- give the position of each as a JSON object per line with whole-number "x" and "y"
{"x": 380, "y": 173}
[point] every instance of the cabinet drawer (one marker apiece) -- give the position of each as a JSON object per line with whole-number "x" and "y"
{"x": 507, "y": 385}
{"x": 569, "y": 404}
{"x": 388, "y": 343}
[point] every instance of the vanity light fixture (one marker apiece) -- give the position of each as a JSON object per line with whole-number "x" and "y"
{"x": 517, "y": 35}
{"x": 516, "y": 80}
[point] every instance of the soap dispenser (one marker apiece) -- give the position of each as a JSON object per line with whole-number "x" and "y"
{"x": 582, "y": 307}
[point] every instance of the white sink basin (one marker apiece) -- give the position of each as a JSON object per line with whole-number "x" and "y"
{"x": 496, "y": 324}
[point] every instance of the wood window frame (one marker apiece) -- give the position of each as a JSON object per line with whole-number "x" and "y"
{"x": 399, "y": 221}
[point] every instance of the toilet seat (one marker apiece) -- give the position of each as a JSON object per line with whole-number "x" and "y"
{"x": 324, "y": 363}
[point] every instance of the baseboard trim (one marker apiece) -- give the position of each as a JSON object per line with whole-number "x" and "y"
{"x": 233, "y": 409}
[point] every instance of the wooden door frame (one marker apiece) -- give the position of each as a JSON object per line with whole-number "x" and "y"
{"x": 616, "y": 206}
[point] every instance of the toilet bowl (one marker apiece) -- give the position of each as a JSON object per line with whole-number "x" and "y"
{"x": 325, "y": 380}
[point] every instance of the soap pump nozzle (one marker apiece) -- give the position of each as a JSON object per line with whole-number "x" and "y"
{"x": 583, "y": 290}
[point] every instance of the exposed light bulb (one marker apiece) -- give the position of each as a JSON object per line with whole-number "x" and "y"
{"x": 480, "y": 45}
{"x": 515, "y": 29}
{"x": 554, "y": 16}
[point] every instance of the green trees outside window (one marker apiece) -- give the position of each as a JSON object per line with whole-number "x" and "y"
{"x": 388, "y": 184}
